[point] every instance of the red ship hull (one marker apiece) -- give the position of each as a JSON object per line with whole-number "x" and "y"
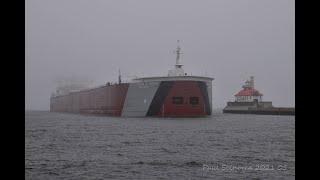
{"x": 106, "y": 100}
{"x": 159, "y": 97}
{"x": 184, "y": 90}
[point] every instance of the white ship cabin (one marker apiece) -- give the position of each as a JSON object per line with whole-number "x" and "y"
{"x": 248, "y": 93}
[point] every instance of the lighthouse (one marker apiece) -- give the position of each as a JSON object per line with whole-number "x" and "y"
{"x": 248, "y": 93}
{"x": 249, "y": 101}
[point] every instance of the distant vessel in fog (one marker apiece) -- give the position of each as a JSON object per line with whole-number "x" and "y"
{"x": 174, "y": 95}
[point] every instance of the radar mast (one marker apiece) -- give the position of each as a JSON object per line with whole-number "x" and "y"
{"x": 177, "y": 71}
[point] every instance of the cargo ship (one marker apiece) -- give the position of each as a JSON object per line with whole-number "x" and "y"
{"x": 175, "y": 95}
{"x": 249, "y": 101}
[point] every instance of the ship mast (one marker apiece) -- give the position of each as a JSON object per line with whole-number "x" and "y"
{"x": 177, "y": 71}
{"x": 178, "y": 52}
{"x": 119, "y": 77}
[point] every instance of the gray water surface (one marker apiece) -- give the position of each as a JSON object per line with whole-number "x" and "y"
{"x": 71, "y": 146}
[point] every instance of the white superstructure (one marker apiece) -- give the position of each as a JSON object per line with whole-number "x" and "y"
{"x": 177, "y": 71}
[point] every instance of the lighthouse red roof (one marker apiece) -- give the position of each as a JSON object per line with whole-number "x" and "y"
{"x": 249, "y": 92}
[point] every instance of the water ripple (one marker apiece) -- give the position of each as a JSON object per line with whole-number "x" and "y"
{"x": 68, "y": 146}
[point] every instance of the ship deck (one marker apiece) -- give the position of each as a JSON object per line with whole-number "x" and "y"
{"x": 173, "y": 78}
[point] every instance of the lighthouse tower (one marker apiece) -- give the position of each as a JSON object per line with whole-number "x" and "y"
{"x": 248, "y": 93}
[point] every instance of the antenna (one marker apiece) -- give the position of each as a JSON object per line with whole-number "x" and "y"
{"x": 119, "y": 77}
{"x": 177, "y": 71}
{"x": 178, "y": 52}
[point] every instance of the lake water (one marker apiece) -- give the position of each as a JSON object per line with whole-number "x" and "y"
{"x": 222, "y": 146}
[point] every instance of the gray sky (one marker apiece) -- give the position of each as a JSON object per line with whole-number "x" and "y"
{"x": 228, "y": 40}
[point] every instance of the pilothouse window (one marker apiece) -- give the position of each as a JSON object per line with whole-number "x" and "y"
{"x": 194, "y": 100}
{"x": 177, "y": 100}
